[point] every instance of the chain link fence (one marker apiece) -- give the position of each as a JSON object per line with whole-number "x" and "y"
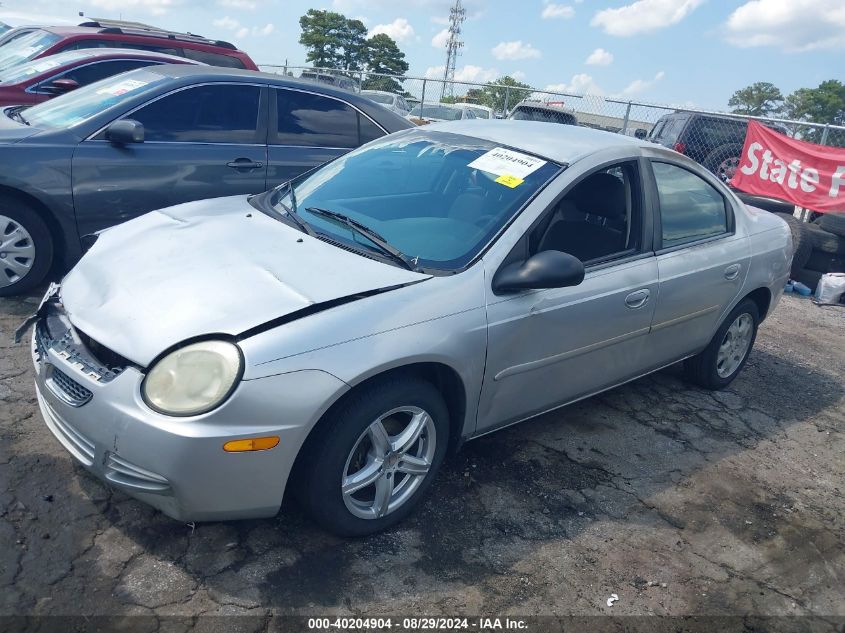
{"x": 712, "y": 138}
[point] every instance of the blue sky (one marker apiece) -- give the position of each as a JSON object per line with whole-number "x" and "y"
{"x": 691, "y": 52}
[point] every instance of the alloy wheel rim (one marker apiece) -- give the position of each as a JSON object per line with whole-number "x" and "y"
{"x": 735, "y": 345}
{"x": 727, "y": 168}
{"x": 388, "y": 462}
{"x": 17, "y": 252}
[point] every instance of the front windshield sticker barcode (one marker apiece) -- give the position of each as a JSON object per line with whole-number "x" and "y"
{"x": 505, "y": 162}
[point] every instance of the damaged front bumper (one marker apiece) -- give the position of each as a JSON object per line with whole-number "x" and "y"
{"x": 91, "y": 401}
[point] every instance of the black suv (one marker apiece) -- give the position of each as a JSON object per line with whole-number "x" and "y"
{"x": 712, "y": 140}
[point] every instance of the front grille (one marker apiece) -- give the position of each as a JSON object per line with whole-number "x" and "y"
{"x": 79, "y": 446}
{"x": 66, "y": 388}
{"x": 125, "y": 473}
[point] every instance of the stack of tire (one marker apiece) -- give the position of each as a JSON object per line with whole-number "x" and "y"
{"x": 819, "y": 247}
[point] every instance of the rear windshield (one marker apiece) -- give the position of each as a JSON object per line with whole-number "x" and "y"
{"x": 437, "y": 112}
{"x": 386, "y": 99}
{"x": 26, "y": 47}
{"x": 85, "y": 103}
{"x": 527, "y": 113}
{"x": 667, "y": 130}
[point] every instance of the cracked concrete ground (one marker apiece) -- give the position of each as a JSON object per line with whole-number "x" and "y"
{"x": 680, "y": 501}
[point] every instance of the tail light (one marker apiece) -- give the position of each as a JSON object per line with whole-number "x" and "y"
{"x": 681, "y": 148}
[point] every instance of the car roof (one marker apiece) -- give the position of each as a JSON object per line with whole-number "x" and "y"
{"x": 561, "y": 143}
{"x": 189, "y": 39}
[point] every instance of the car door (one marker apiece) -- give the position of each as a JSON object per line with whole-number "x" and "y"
{"x": 550, "y": 347}
{"x": 308, "y": 129}
{"x": 202, "y": 141}
{"x": 702, "y": 260}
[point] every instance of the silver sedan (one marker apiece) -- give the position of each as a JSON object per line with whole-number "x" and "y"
{"x": 339, "y": 334}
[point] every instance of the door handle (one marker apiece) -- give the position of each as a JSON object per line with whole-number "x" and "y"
{"x": 244, "y": 163}
{"x": 732, "y": 271}
{"x": 637, "y": 299}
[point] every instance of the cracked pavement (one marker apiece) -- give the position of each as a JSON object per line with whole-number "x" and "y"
{"x": 679, "y": 500}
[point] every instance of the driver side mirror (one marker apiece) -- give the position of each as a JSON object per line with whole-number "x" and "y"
{"x": 60, "y": 86}
{"x": 125, "y": 131}
{"x": 547, "y": 269}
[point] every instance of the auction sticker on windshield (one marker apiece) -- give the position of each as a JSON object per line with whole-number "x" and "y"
{"x": 128, "y": 85}
{"x": 506, "y": 162}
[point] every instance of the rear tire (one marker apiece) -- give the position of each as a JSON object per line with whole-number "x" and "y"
{"x": 801, "y": 245}
{"x": 26, "y": 247}
{"x": 723, "y": 161}
{"x": 833, "y": 223}
{"x": 728, "y": 350}
{"x": 345, "y": 448}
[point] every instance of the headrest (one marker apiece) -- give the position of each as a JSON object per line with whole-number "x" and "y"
{"x": 600, "y": 194}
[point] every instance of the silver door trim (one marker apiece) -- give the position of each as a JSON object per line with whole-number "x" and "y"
{"x": 550, "y": 360}
{"x": 686, "y": 317}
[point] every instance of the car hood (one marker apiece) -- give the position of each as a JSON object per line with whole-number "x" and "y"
{"x": 210, "y": 267}
{"x": 12, "y": 131}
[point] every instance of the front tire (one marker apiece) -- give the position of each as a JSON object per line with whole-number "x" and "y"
{"x": 728, "y": 350}
{"x": 26, "y": 247}
{"x": 370, "y": 462}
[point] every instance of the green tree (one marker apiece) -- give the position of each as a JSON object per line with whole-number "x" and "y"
{"x": 323, "y": 34}
{"x": 825, "y": 104}
{"x": 383, "y": 56}
{"x": 758, "y": 99}
{"x": 353, "y": 38}
{"x": 505, "y": 89}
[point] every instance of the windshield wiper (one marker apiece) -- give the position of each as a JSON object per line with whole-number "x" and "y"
{"x": 367, "y": 232}
{"x": 15, "y": 113}
{"x": 292, "y": 212}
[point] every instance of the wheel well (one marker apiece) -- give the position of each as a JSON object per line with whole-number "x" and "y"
{"x": 763, "y": 298}
{"x": 59, "y": 244}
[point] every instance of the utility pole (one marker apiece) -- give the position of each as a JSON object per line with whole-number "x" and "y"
{"x": 457, "y": 15}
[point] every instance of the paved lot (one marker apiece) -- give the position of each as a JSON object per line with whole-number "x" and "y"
{"x": 678, "y": 500}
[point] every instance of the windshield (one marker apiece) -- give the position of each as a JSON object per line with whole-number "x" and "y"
{"x": 86, "y": 102}
{"x": 4, "y": 27}
{"x": 480, "y": 113}
{"x": 25, "y": 47}
{"x": 438, "y": 112}
{"x": 437, "y": 197}
{"x": 386, "y": 99}
{"x": 23, "y": 71}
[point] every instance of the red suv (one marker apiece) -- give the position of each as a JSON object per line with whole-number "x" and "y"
{"x": 41, "y": 42}
{"x": 47, "y": 77}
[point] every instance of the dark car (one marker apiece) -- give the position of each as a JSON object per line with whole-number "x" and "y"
{"x": 155, "y": 137}
{"x": 47, "y": 77}
{"x": 40, "y": 42}
{"x": 545, "y": 111}
{"x": 712, "y": 140}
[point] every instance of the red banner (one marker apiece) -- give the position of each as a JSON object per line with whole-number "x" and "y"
{"x": 808, "y": 175}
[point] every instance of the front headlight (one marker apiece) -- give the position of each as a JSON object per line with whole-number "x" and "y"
{"x": 194, "y": 379}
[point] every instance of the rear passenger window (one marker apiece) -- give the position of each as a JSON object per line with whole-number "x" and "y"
{"x": 310, "y": 120}
{"x": 690, "y": 208}
{"x": 204, "y": 114}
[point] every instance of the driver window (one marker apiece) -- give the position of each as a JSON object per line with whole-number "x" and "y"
{"x": 597, "y": 219}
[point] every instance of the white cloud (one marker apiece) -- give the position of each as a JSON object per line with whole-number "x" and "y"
{"x": 248, "y": 5}
{"x": 794, "y": 25}
{"x": 638, "y": 86}
{"x": 440, "y": 40}
{"x": 439, "y": 19}
{"x": 470, "y": 73}
{"x": 552, "y": 11}
{"x": 240, "y": 31}
{"x": 600, "y": 57}
{"x": 400, "y": 30}
{"x": 155, "y": 7}
{"x": 518, "y": 75}
{"x": 582, "y": 84}
{"x": 643, "y": 16}
{"x": 515, "y": 50}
